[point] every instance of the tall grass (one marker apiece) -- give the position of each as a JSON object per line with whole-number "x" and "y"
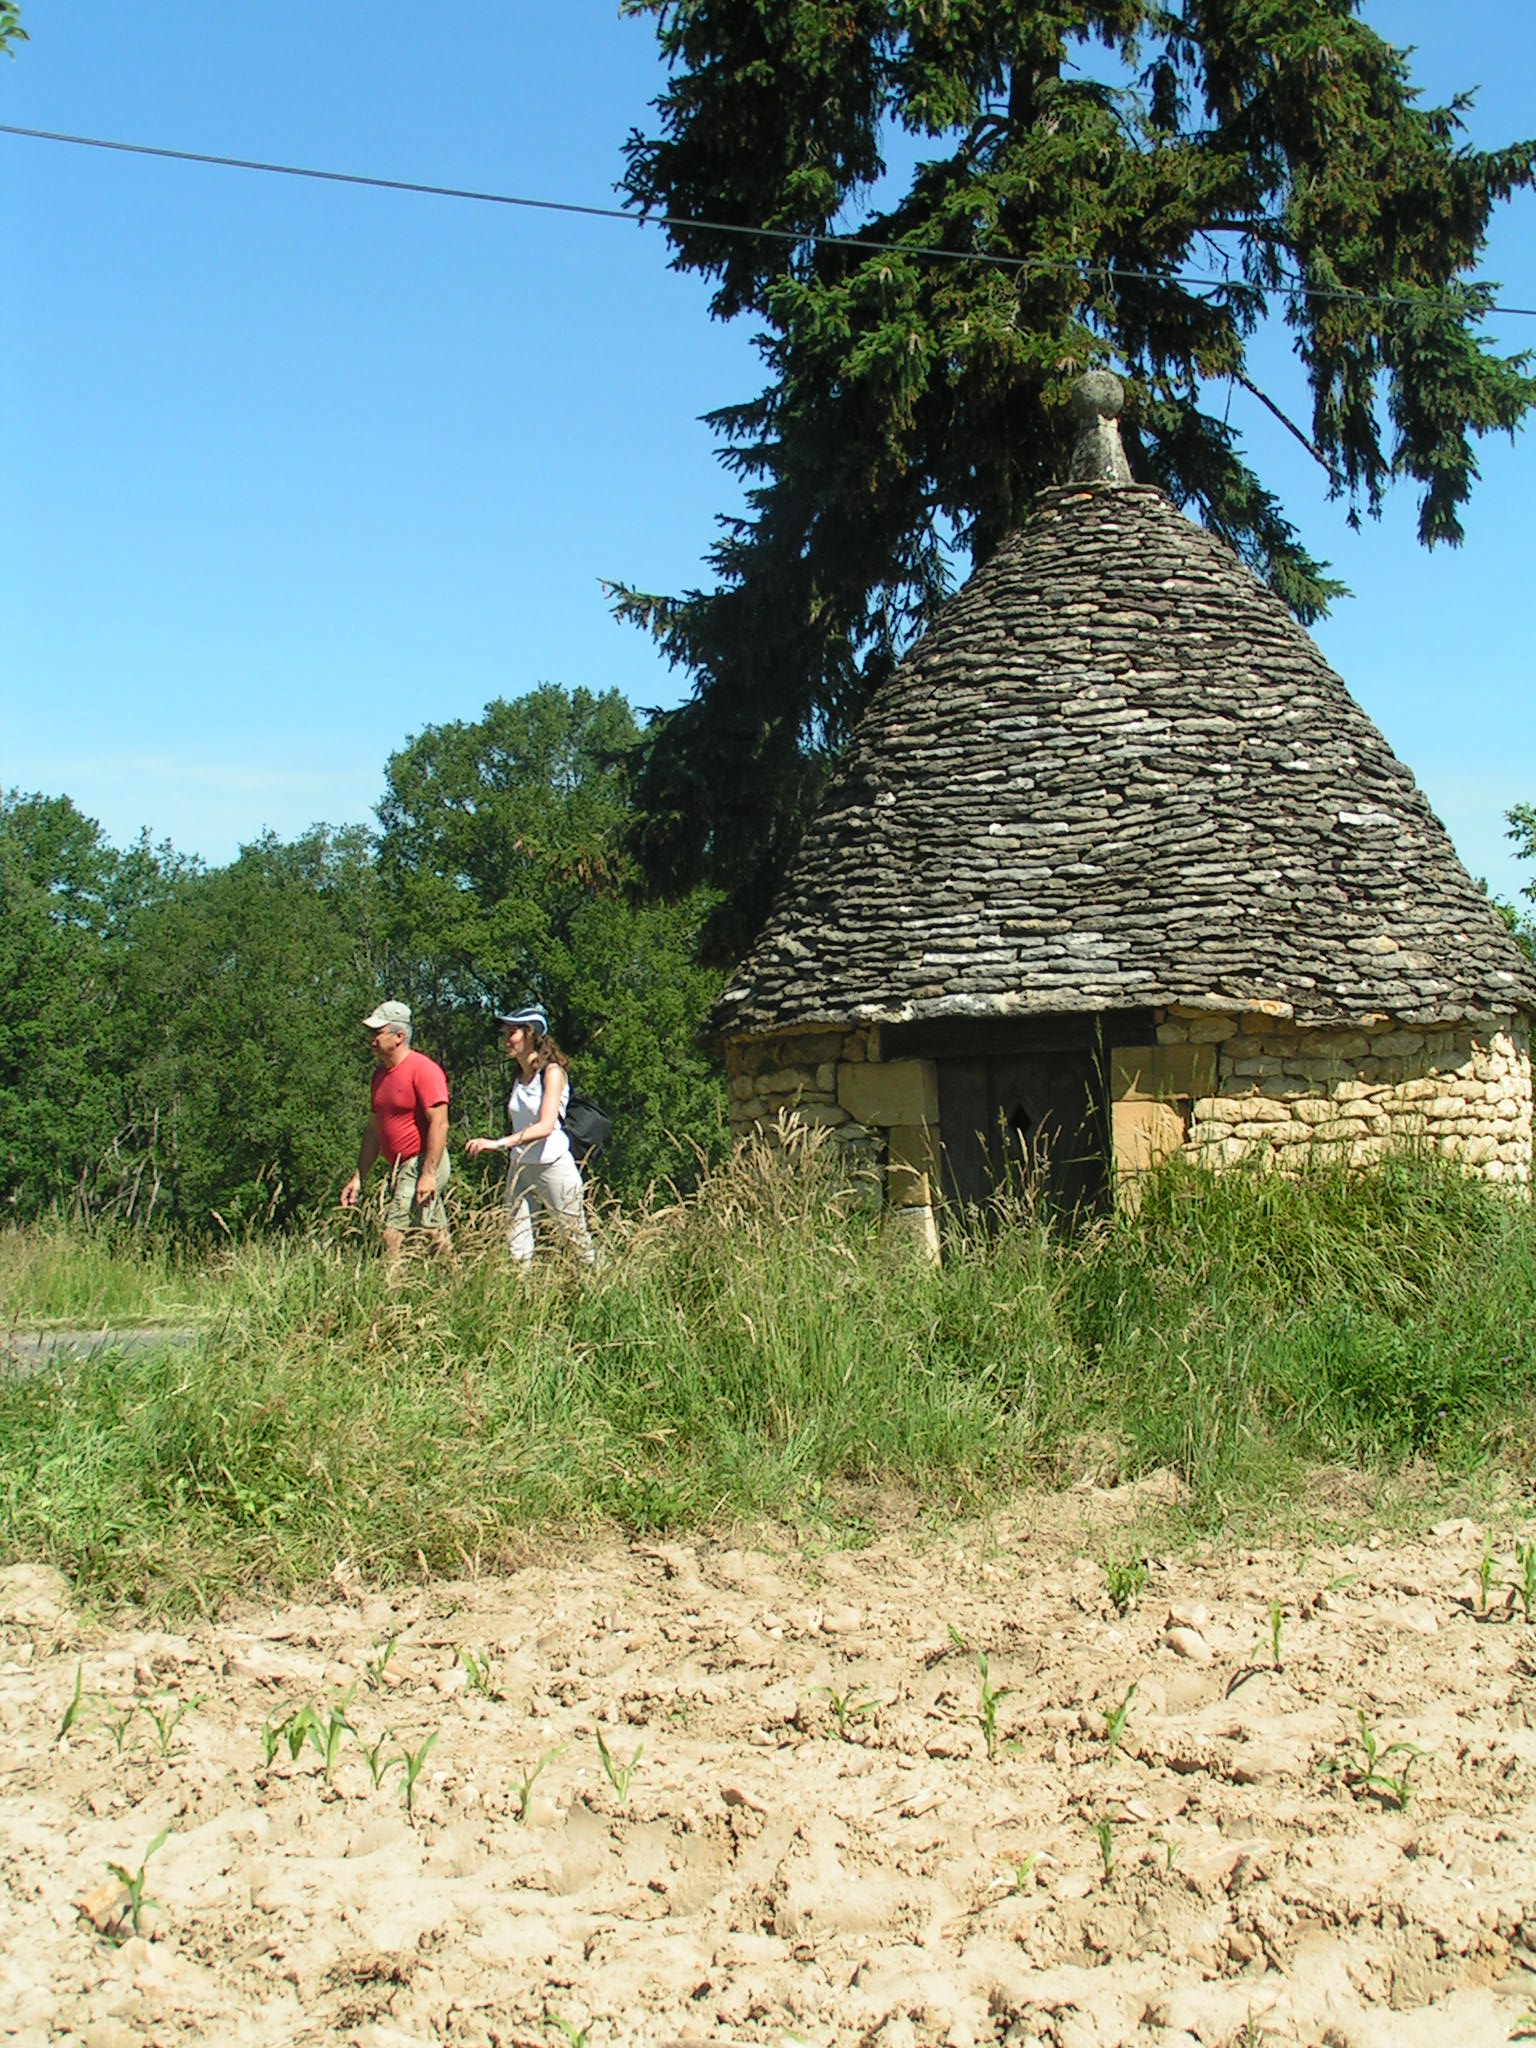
{"x": 757, "y": 1351}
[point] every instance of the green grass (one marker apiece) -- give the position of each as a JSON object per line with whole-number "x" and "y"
{"x": 757, "y": 1352}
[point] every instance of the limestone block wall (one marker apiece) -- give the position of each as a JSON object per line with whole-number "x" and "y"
{"x": 1278, "y": 1094}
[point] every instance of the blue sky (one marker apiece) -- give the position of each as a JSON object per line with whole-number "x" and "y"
{"x": 292, "y": 470}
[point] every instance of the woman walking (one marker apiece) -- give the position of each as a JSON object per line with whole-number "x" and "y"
{"x": 541, "y": 1164}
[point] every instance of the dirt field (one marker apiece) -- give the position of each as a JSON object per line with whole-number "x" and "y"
{"x": 1224, "y": 1875}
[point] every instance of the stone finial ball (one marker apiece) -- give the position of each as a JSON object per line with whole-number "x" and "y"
{"x": 1098, "y": 395}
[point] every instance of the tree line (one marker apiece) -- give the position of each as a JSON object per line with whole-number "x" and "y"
{"x": 182, "y": 1043}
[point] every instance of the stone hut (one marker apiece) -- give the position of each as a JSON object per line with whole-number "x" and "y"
{"x": 1117, "y": 869}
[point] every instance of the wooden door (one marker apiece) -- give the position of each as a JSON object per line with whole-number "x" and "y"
{"x": 1009, "y": 1117}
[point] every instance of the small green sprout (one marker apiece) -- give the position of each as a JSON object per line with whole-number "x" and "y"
{"x": 480, "y": 1670}
{"x": 1276, "y": 1625}
{"x": 118, "y": 1726}
{"x": 523, "y": 1787}
{"x": 380, "y": 1766}
{"x": 847, "y": 1708}
{"x": 327, "y": 1734}
{"x": 413, "y": 1760}
{"x": 957, "y": 1640}
{"x": 618, "y": 1775}
{"x": 133, "y": 1882}
{"x": 1485, "y": 1574}
{"x": 989, "y": 1698}
{"x": 271, "y": 1741}
{"x": 570, "y": 2033}
{"x": 1104, "y": 1834}
{"x": 296, "y": 1730}
{"x": 76, "y": 1705}
{"x": 1114, "y": 1723}
{"x": 374, "y": 1667}
{"x": 1370, "y": 1773}
{"x": 1525, "y": 1585}
{"x": 1123, "y": 1581}
{"x": 167, "y": 1716}
{"x": 1171, "y": 1849}
{"x": 1023, "y": 1869}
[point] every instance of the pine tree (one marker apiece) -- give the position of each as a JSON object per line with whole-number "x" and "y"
{"x": 1112, "y": 183}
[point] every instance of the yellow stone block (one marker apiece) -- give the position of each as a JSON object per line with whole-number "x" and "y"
{"x": 1144, "y": 1135}
{"x": 913, "y": 1169}
{"x": 889, "y": 1092}
{"x": 1162, "y": 1073}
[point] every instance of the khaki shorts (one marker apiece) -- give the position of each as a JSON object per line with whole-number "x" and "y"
{"x": 401, "y": 1209}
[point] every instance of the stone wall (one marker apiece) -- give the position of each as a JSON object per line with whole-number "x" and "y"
{"x": 1280, "y": 1095}
{"x": 1218, "y": 1087}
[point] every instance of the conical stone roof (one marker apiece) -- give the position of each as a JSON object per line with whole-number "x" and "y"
{"x": 1116, "y": 773}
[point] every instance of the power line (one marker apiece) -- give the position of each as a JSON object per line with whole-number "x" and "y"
{"x": 1294, "y": 288}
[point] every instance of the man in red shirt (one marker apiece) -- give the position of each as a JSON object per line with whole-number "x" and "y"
{"x": 408, "y": 1130}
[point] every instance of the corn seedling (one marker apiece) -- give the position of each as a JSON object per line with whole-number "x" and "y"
{"x": 523, "y": 1787}
{"x": 1114, "y": 1722}
{"x": 76, "y": 1705}
{"x": 1276, "y": 1624}
{"x": 618, "y": 1775}
{"x": 327, "y": 1734}
{"x": 1124, "y": 1582}
{"x": 1525, "y": 1585}
{"x": 1370, "y": 1773}
{"x": 1171, "y": 1851}
{"x": 847, "y": 1708}
{"x": 957, "y": 1640}
{"x": 296, "y": 1729}
{"x": 570, "y": 2033}
{"x": 413, "y": 1761}
{"x": 989, "y": 1697}
{"x": 271, "y": 1741}
{"x": 1485, "y": 1575}
{"x": 133, "y": 1882}
{"x": 374, "y": 1667}
{"x": 118, "y": 1726}
{"x": 379, "y": 1766}
{"x": 480, "y": 1669}
{"x": 1104, "y": 1834}
{"x": 167, "y": 1716}
{"x": 1023, "y": 1869}
{"x": 1339, "y": 1581}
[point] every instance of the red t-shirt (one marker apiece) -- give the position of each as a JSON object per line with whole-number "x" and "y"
{"x": 401, "y": 1098}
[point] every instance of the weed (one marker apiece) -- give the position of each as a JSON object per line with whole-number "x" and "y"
{"x": 847, "y": 1708}
{"x": 1525, "y": 1585}
{"x": 1114, "y": 1722}
{"x": 413, "y": 1761}
{"x": 989, "y": 1697}
{"x": 618, "y": 1775}
{"x": 167, "y": 1717}
{"x": 76, "y": 1705}
{"x": 1276, "y": 1624}
{"x": 1123, "y": 1581}
{"x": 374, "y": 1667}
{"x": 133, "y": 1882}
{"x": 523, "y": 1787}
{"x": 480, "y": 1669}
{"x": 1485, "y": 1574}
{"x": 1104, "y": 1834}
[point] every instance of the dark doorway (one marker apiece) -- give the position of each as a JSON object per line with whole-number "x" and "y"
{"x": 1033, "y": 1118}
{"x": 1024, "y": 1094}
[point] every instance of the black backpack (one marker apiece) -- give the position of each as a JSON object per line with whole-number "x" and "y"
{"x": 585, "y": 1124}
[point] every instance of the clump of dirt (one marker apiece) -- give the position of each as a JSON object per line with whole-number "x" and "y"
{"x": 915, "y": 1794}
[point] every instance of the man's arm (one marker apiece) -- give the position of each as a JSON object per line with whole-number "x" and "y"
{"x": 432, "y": 1154}
{"x": 367, "y": 1153}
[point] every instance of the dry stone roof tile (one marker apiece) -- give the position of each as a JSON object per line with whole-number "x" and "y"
{"x": 1116, "y": 772}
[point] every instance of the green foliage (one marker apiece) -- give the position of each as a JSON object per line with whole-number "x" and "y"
{"x": 1112, "y": 182}
{"x": 11, "y": 30}
{"x": 502, "y": 856}
{"x": 68, "y": 903}
{"x": 246, "y": 988}
{"x": 1522, "y": 923}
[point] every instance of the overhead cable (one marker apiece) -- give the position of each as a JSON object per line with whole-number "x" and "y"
{"x": 795, "y": 237}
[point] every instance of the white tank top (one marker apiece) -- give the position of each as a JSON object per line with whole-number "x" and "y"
{"x": 524, "y": 1106}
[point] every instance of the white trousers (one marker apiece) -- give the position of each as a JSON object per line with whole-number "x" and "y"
{"x": 557, "y": 1188}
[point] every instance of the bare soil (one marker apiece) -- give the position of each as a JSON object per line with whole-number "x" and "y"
{"x": 815, "y": 1844}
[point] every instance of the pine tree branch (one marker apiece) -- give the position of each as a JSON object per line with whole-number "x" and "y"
{"x": 1300, "y": 434}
